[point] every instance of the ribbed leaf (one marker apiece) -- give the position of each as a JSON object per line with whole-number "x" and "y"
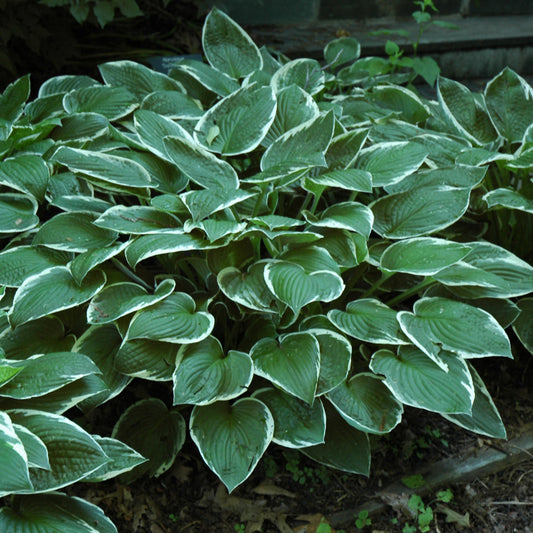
{"x": 83, "y": 263}
{"x": 205, "y": 202}
{"x": 402, "y": 100}
{"x": 523, "y": 325}
{"x": 342, "y": 50}
{"x": 34, "y": 447}
{"x": 25, "y": 173}
{"x": 81, "y": 127}
{"x": 65, "y": 84}
{"x": 508, "y": 198}
{"x": 292, "y": 362}
{"x": 173, "y": 105}
{"x": 351, "y": 216}
{"x": 204, "y": 374}
{"x": 304, "y": 72}
{"x": 344, "y": 149}
{"x": 232, "y": 438}
{"x": 350, "y": 179}
{"x": 137, "y": 220}
{"x": 17, "y": 213}
{"x": 418, "y": 381}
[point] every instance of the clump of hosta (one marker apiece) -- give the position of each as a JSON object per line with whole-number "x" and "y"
{"x": 294, "y": 251}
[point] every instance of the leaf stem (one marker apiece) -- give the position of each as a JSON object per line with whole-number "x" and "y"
{"x": 410, "y": 292}
{"x": 384, "y": 277}
{"x": 125, "y": 270}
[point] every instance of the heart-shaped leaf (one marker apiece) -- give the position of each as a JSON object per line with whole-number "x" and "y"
{"x": 83, "y": 263}
{"x": 344, "y": 149}
{"x": 417, "y": 380}
{"x": 232, "y": 438}
{"x": 173, "y": 105}
{"x": 292, "y": 362}
{"x": 342, "y": 50}
{"x": 350, "y": 179}
{"x": 508, "y": 198}
{"x": 26, "y": 173}
{"x": 18, "y": 213}
{"x": 304, "y": 72}
{"x": 351, "y": 216}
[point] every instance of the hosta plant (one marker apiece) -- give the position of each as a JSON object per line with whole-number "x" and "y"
{"x": 292, "y": 252}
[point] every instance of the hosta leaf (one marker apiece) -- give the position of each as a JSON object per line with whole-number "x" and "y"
{"x": 351, "y": 179}
{"x": 101, "y": 344}
{"x": 232, "y": 438}
{"x": 146, "y": 359}
{"x": 345, "y": 448}
{"x": 73, "y": 232}
{"x": 351, "y": 216}
{"x": 8, "y": 370}
{"x": 80, "y": 204}
{"x": 508, "y": 198}
{"x": 466, "y": 111}
{"x": 419, "y": 211}
{"x": 303, "y": 145}
{"x": 111, "y": 102}
{"x": 304, "y": 72}
{"x": 12, "y": 102}
{"x": 344, "y": 149}
{"x": 83, "y": 263}
{"x": 137, "y": 220}
{"x": 46, "y": 373}
{"x": 311, "y": 259}
{"x": 81, "y": 127}
{"x": 292, "y": 363}
{"x": 51, "y": 291}
{"x": 295, "y": 106}
{"x": 488, "y": 271}
{"x": 136, "y": 78}
{"x": 485, "y": 418}
{"x": 173, "y": 105}
{"x": 509, "y": 101}
{"x": 296, "y": 424}
{"x": 13, "y": 459}
{"x": 215, "y": 229}
{"x": 34, "y": 447}
{"x": 291, "y": 284}
{"x": 402, "y": 100}
{"x": 438, "y": 324}
{"x": 123, "y": 459}
{"x": 422, "y": 256}
{"x": 25, "y": 173}
{"x": 228, "y": 47}
{"x": 205, "y": 202}
{"x": 247, "y": 288}
{"x": 72, "y": 452}
{"x": 122, "y": 298}
{"x": 201, "y": 166}
{"x": 238, "y": 123}
{"x": 50, "y": 513}
{"x": 342, "y": 50}
{"x": 391, "y": 162}
{"x": 18, "y": 213}
{"x": 108, "y": 168}
{"x": 369, "y": 320}
{"x": 154, "y": 431}
{"x": 21, "y": 262}
{"x": 204, "y": 374}
{"x": 523, "y": 325}
{"x": 172, "y": 320}
{"x": 418, "y": 381}
{"x": 64, "y": 84}
{"x": 367, "y": 404}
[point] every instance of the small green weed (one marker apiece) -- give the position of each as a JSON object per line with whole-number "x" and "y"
{"x": 424, "y": 513}
{"x": 362, "y": 520}
{"x": 239, "y": 528}
{"x": 305, "y": 475}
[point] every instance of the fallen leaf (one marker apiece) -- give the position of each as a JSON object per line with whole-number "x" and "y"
{"x": 453, "y": 517}
{"x": 267, "y": 488}
{"x": 314, "y": 520}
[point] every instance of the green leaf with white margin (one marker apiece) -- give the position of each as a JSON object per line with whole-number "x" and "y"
{"x": 8, "y": 370}
{"x": 232, "y": 438}
{"x": 488, "y": 271}
{"x": 345, "y": 448}
{"x": 51, "y": 291}
{"x": 82, "y": 127}
{"x": 485, "y": 418}
{"x": 311, "y": 258}
{"x": 418, "y": 212}
{"x": 391, "y": 162}
{"x": 295, "y": 106}
{"x": 523, "y": 325}
{"x": 173, "y": 320}
{"x": 205, "y": 202}
{"x": 136, "y": 78}
{"x": 341, "y": 50}
{"x": 73, "y": 232}
{"x": 34, "y": 447}
{"x": 72, "y": 452}
{"x": 304, "y": 145}
{"x": 438, "y": 324}
{"x": 21, "y": 262}
{"x": 173, "y": 105}
{"x": 227, "y": 47}
{"x": 12, "y": 102}
{"x": 238, "y": 123}
{"x": 369, "y": 320}
{"x": 292, "y": 362}
{"x": 146, "y": 359}
{"x": 466, "y": 111}
{"x": 26, "y": 173}
{"x": 416, "y": 380}
{"x": 350, "y": 179}
{"x": 291, "y": 284}
{"x": 509, "y": 100}
{"x": 108, "y": 168}
{"x": 344, "y": 149}
{"x": 247, "y": 288}
{"x": 137, "y": 220}
{"x": 123, "y": 459}
{"x": 111, "y": 102}
{"x": 18, "y": 212}
{"x": 119, "y": 299}
{"x": 64, "y": 84}
{"x": 402, "y": 100}
{"x": 13, "y": 459}
{"x": 296, "y": 424}
{"x": 154, "y": 431}
{"x": 215, "y": 229}
{"x": 44, "y": 373}
{"x": 367, "y": 404}
{"x": 101, "y": 344}
{"x": 204, "y": 374}
{"x": 422, "y": 256}
{"x": 201, "y": 166}
{"x": 304, "y": 72}
{"x": 83, "y": 263}
{"x": 51, "y": 513}
{"x": 352, "y": 216}
{"x": 508, "y": 198}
